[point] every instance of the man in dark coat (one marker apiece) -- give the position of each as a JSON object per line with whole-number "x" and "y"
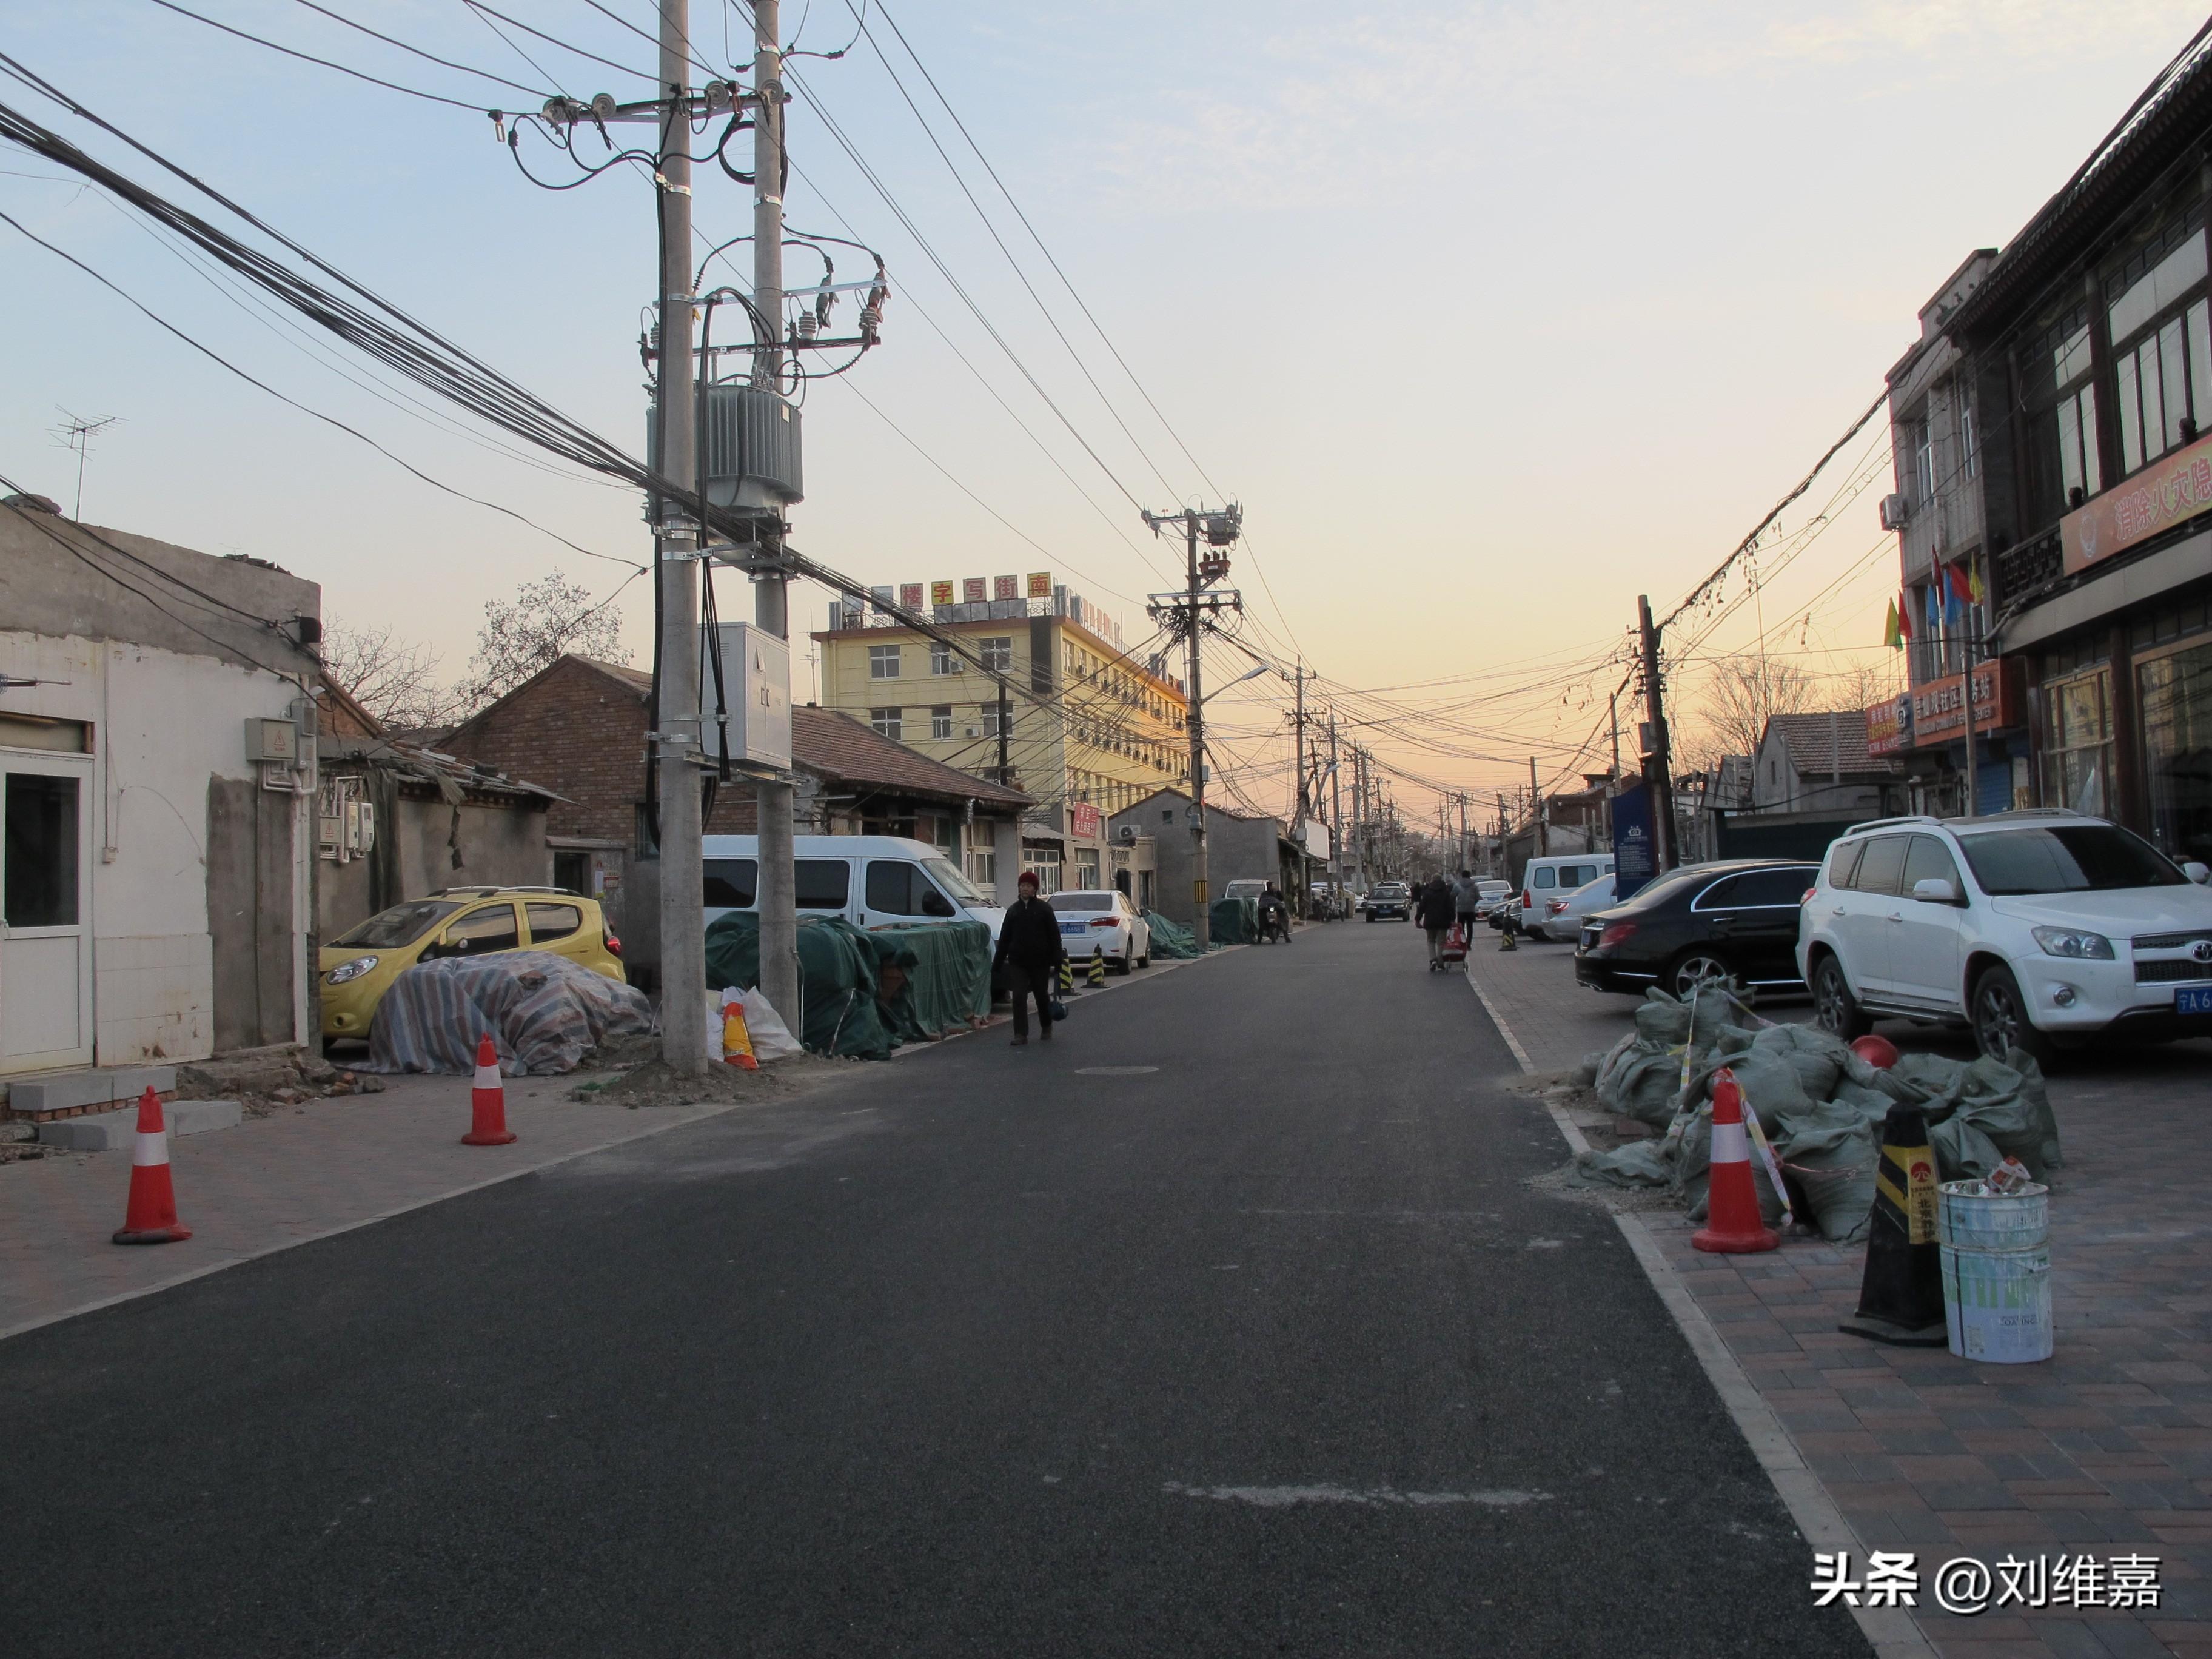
{"x": 1029, "y": 950}
{"x": 1434, "y": 911}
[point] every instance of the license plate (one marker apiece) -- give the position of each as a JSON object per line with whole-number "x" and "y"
{"x": 2193, "y": 999}
{"x": 1070, "y": 927}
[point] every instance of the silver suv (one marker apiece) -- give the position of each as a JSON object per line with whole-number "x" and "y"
{"x": 2032, "y": 926}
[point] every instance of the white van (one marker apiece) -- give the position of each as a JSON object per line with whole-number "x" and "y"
{"x": 870, "y": 880}
{"x": 1545, "y": 879}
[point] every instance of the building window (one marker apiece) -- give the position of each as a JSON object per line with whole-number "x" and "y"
{"x": 2061, "y": 397}
{"x": 941, "y": 660}
{"x": 1969, "y": 458}
{"x": 940, "y": 722}
{"x": 983, "y": 865}
{"x": 990, "y": 711}
{"x": 2176, "y": 709}
{"x": 889, "y": 722}
{"x": 1923, "y": 461}
{"x": 998, "y": 655}
{"x": 2077, "y": 742}
{"x": 882, "y": 662}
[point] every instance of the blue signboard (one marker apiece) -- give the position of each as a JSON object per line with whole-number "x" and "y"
{"x": 1635, "y": 859}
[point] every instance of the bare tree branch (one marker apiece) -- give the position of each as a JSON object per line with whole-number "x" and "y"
{"x": 545, "y": 620}
{"x": 395, "y": 679}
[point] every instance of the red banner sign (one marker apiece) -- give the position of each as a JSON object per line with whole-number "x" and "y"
{"x": 1086, "y": 822}
{"x": 2164, "y": 494}
{"x": 1939, "y": 707}
{"x": 1889, "y": 725}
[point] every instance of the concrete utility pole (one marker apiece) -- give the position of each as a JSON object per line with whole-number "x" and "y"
{"x": 1336, "y": 819}
{"x": 1536, "y": 806}
{"x": 778, "y": 895}
{"x": 1222, "y": 526}
{"x": 676, "y": 721}
{"x": 1658, "y": 764}
{"x": 1299, "y": 741}
{"x": 1005, "y": 735}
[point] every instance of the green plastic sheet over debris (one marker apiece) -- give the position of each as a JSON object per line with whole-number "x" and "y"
{"x": 1171, "y": 942}
{"x": 863, "y": 994}
{"x": 1235, "y": 921}
{"x": 1820, "y": 1104}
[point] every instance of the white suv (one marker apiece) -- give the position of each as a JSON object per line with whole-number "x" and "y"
{"x": 2031, "y": 926}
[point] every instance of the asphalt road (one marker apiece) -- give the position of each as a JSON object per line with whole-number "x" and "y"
{"x": 1263, "y": 1349}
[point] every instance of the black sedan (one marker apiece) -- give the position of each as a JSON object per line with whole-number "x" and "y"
{"x": 1390, "y": 899}
{"x": 1736, "y": 918}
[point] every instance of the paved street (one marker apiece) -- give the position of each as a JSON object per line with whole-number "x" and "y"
{"x": 1267, "y": 1349}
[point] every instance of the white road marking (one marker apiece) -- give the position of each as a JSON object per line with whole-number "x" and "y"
{"x": 1277, "y": 1497}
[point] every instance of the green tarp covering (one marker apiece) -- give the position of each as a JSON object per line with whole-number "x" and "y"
{"x": 864, "y": 993}
{"x": 1235, "y": 921}
{"x": 1170, "y": 943}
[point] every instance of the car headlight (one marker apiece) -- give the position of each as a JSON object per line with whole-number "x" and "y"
{"x": 2071, "y": 942}
{"x": 348, "y": 970}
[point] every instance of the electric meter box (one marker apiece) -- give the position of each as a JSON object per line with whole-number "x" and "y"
{"x": 755, "y": 694}
{"x": 271, "y": 741}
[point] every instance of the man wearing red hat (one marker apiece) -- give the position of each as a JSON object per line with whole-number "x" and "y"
{"x": 1029, "y": 950}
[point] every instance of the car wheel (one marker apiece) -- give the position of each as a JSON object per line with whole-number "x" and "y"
{"x": 2001, "y": 1021}
{"x": 1835, "y": 1008}
{"x": 1693, "y": 968}
{"x": 1367, "y": 915}
{"x": 1120, "y": 965}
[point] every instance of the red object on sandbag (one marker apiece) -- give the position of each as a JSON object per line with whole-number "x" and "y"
{"x": 1878, "y": 1052}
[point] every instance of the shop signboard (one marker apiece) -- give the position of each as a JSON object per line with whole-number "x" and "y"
{"x": 1889, "y": 725}
{"x": 1939, "y": 707}
{"x": 1086, "y": 822}
{"x": 2165, "y": 493}
{"x": 1633, "y": 861}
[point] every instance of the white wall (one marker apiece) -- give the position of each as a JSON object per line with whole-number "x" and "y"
{"x": 163, "y": 724}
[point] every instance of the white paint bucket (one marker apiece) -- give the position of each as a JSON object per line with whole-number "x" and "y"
{"x": 1996, "y": 1304}
{"x": 2020, "y": 1221}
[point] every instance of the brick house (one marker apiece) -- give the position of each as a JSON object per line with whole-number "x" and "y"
{"x": 578, "y": 726}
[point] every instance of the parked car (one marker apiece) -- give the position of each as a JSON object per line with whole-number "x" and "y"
{"x": 1493, "y": 894}
{"x": 1545, "y": 879}
{"x": 359, "y": 965}
{"x": 870, "y": 880}
{"x": 1733, "y": 919}
{"x": 1249, "y": 887}
{"x": 1387, "y": 899}
{"x": 1101, "y": 920}
{"x": 2038, "y": 928}
{"x": 1325, "y": 904}
{"x": 1563, "y": 916}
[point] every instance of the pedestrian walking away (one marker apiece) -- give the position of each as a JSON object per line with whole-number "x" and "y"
{"x": 1435, "y": 914}
{"x": 1467, "y": 893}
{"x": 1029, "y": 950}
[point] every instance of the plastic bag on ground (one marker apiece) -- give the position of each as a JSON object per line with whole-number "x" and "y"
{"x": 772, "y": 1038}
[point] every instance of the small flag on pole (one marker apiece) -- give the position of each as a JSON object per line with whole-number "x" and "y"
{"x": 1891, "y": 635}
{"x": 1903, "y": 610}
{"x": 1975, "y": 589}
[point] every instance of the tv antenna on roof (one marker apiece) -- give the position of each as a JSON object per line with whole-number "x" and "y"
{"x": 76, "y": 432}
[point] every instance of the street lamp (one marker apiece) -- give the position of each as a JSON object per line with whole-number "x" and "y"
{"x": 1252, "y": 673}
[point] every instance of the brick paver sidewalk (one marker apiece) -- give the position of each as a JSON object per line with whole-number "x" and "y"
{"x": 2104, "y": 1452}
{"x": 280, "y": 1180}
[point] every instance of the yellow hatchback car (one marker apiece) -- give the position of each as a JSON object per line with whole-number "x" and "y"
{"x": 359, "y": 966}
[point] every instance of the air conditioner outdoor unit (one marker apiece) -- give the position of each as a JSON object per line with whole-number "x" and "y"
{"x": 1895, "y": 510}
{"x": 975, "y": 731}
{"x": 1126, "y": 835}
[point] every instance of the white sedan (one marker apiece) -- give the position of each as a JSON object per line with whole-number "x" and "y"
{"x": 1102, "y": 922}
{"x": 1563, "y": 917}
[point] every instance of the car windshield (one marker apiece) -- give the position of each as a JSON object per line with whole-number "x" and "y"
{"x": 1492, "y": 888}
{"x": 1391, "y": 890}
{"x": 947, "y": 874}
{"x": 1081, "y": 901}
{"x": 402, "y": 924}
{"x": 2068, "y": 857}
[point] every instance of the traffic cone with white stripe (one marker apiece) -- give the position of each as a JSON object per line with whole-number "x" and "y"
{"x": 1733, "y": 1223}
{"x": 1096, "y": 977}
{"x": 150, "y": 1216}
{"x": 488, "y": 1101}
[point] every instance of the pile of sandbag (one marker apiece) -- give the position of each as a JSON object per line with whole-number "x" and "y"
{"x": 1820, "y": 1103}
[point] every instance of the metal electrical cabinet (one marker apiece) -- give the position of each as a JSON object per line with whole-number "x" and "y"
{"x": 757, "y": 694}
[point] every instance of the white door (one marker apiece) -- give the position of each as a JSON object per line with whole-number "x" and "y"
{"x": 45, "y": 912}
{"x": 1861, "y": 919}
{"x": 1927, "y": 952}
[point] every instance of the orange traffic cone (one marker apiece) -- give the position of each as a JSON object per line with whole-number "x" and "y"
{"x": 488, "y": 1101}
{"x": 1733, "y": 1225}
{"x": 737, "y": 1041}
{"x": 150, "y": 1216}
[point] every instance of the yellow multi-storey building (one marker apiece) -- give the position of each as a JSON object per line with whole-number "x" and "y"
{"x": 1093, "y": 727}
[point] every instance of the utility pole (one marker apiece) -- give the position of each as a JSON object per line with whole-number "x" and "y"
{"x": 1536, "y": 806}
{"x": 1005, "y": 735}
{"x": 677, "y": 723}
{"x": 1613, "y": 703}
{"x": 1221, "y": 527}
{"x": 1299, "y": 740}
{"x": 1658, "y": 764}
{"x": 1505, "y": 829}
{"x": 1336, "y": 820}
{"x": 777, "y": 895}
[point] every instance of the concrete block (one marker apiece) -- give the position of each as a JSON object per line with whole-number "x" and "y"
{"x": 107, "y": 1131}
{"x": 90, "y": 1088}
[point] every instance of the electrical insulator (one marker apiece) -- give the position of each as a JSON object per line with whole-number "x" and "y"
{"x": 809, "y": 325}
{"x": 603, "y": 107}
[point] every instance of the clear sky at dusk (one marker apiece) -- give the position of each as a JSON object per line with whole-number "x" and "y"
{"x": 1493, "y": 316}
